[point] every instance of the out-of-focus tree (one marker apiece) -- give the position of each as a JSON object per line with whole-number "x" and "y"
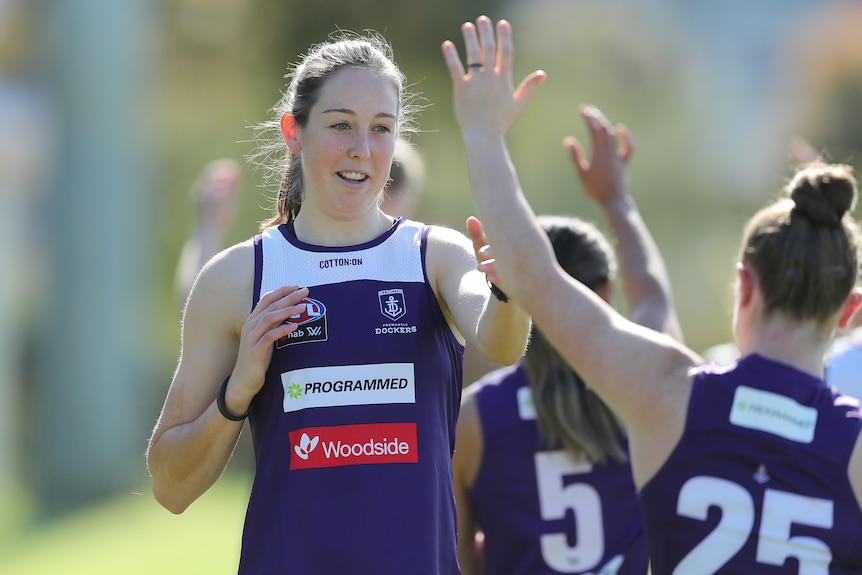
{"x": 93, "y": 348}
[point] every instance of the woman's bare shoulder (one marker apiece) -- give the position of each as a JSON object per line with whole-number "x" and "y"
{"x": 226, "y": 283}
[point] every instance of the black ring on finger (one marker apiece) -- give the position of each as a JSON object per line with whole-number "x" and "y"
{"x": 474, "y": 65}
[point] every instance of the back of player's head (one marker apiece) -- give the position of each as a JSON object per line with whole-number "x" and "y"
{"x": 581, "y": 249}
{"x": 804, "y": 247}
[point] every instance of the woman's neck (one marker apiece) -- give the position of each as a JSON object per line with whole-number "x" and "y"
{"x": 318, "y": 229}
{"x": 799, "y": 344}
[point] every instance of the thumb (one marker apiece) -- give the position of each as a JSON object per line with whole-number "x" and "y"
{"x": 528, "y": 85}
{"x": 576, "y": 152}
{"x": 627, "y": 144}
{"x": 476, "y": 231}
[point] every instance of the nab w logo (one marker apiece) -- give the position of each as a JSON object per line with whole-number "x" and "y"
{"x": 311, "y": 321}
{"x": 314, "y": 330}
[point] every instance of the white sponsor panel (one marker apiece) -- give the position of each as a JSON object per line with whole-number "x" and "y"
{"x": 773, "y": 413}
{"x": 367, "y": 384}
{"x": 526, "y": 407}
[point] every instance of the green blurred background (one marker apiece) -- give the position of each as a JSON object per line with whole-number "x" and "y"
{"x": 109, "y": 110}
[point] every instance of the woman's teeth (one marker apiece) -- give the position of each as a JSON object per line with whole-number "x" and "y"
{"x": 354, "y": 176}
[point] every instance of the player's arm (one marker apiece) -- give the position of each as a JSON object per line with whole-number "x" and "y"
{"x": 192, "y": 441}
{"x": 498, "y": 330}
{"x": 605, "y": 179}
{"x": 465, "y": 463}
{"x": 628, "y": 365}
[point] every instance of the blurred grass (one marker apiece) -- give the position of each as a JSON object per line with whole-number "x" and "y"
{"x": 131, "y": 535}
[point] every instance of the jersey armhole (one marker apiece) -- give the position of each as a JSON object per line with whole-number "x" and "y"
{"x": 258, "y": 269}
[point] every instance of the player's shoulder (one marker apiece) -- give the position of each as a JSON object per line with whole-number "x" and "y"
{"x": 231, "y": 263}
{"x": 447, "y": 238}
{"x": 226, "y": 281}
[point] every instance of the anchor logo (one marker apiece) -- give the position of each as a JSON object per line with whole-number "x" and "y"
{"x": 392, "y": 303}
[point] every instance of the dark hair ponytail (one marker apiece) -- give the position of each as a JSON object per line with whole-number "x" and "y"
{"x": 569, "y": 414}
{"x": 807, "y": 243}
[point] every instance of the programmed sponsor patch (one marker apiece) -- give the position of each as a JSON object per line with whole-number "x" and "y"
{"x": 366, "y": 384}
{"x": 773, "y": 413}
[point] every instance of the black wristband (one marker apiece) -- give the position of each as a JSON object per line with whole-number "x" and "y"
{"x": 222, "y": 406}
{"x": 498, "y": 293}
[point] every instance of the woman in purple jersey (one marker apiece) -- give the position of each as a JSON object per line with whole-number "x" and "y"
{"x": 751, "y": 468}
{"x": 335, "y": 133}
{"x": 516, "y": 469}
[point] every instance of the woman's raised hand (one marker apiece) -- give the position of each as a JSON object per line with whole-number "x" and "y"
{"x": 484, "y": 100}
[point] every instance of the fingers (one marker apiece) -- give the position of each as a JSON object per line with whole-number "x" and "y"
{"x": 477, "y": 234}
{"x": 472, "y": 52}
{"x": 275, "y": 308}
{"x": 487, "y": 265}
{"x": 484, "y": 258}
{"x": 270, "y": 319}
{"x": 627, "y": 144}
{"x": 505, "y": 49}
{"x": 487, "y": 41}
{"x": 576, "y": 151}
{"x": 453, "y": 62}
{"x": 602, "y": 136}
{"x": 482, "y": 84}
{"x": 483, "y": 47}
{"x": 293, "y": 292}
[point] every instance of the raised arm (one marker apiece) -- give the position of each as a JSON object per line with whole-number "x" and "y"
{"x": 589, "y": 333}
{"x": 605, "y": 179}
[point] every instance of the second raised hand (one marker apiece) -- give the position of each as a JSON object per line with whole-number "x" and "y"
{"x": 484, "y": 100}
{"x": 603, "y": 171}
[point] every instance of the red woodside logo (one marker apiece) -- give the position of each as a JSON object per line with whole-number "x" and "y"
{"x": 340, "y": 445}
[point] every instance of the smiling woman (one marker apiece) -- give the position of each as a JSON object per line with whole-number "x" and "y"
{"x": 351, "y": 383}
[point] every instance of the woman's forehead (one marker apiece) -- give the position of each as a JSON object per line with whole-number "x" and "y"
{"x": 359, "y": 89}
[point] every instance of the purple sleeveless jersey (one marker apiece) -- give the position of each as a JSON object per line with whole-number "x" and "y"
{"x": 758, "y": 482}
{"x": 541, "y": 512}
{"x": 354, "y": 428}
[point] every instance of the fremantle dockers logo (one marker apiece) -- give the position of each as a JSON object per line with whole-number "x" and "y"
{"x": 392, "y": 303}
{"x": 311, "y": 322}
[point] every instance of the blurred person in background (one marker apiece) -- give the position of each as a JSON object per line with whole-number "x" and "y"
{"x": 406, "y": 178}
{"x": 754, "y": 467}
{"x": 214, "y": 195}
{"x": 844, "y": 360}
{"x": 534, "y": 443}
{"x": 349, "y": 365}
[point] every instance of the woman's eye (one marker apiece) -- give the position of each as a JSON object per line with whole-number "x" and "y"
{"x": 383, "y": 129}
{"x": 341, "y": 126}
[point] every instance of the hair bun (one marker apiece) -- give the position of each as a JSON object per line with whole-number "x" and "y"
{"x": 823, "y": 193}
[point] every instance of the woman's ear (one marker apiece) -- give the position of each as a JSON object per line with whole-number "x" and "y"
{"x": 851, "y": 308}
{"x": 288, "y": 132}
{"x": 745, "y": 281}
